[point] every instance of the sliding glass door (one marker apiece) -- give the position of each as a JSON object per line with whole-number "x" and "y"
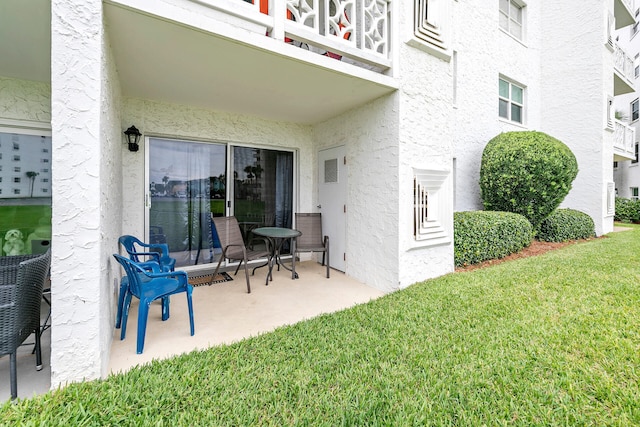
{"x": 188, "y": 183}
{"x": 262, "y": 189}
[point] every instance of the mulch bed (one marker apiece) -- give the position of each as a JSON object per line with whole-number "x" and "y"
{"x": 536, "y": 248}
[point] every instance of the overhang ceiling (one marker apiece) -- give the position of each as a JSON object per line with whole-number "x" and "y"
{"x": 161, "y": 60}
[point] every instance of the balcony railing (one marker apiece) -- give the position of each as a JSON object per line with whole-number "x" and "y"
{"x": 355, "y": 29}
{"x": 624, "y": 68}
{"x": 624, "y": 137}
{"x": 623, "y": 63}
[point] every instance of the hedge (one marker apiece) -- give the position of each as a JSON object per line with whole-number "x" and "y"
{"x": 627, "y": 210}
{"x": 484, "y": 235}
{"x": 566, "y": 224}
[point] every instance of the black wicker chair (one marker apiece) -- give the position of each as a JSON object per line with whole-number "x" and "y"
{"x": 22, "y": 279}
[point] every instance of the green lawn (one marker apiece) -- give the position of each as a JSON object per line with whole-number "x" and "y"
{"x": 23, "y": 217}
{"x": 548, "y": 340}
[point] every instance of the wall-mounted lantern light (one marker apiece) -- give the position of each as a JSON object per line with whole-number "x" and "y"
{"x": 133, "y": 136}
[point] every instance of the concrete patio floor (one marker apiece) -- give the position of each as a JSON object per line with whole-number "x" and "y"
{"x": 223, "y": 313}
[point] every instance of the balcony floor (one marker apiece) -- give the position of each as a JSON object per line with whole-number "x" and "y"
{"x": 224, "y": 313}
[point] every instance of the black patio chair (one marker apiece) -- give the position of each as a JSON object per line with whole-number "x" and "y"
{"x": 21, "y": 286}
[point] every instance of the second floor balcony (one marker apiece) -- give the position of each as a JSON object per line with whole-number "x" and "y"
{"x": 623, "y": 67}
{"x": 300, "y": 61}
{"x": 624, "y": 137}
{"x": 624, "y": 13}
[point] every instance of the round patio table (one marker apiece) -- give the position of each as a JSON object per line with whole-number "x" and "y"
{"x": 277, "y": 236}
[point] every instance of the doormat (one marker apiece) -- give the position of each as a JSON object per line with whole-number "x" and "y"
{"x": 196, "y": 281}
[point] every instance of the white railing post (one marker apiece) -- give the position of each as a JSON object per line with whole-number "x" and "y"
{"x": 278, "y": 9}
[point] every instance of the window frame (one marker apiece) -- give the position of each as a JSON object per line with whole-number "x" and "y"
{"x": 636, "y": 103}
{"x": 521, "y": 6}
{"x": 510, "y": 102}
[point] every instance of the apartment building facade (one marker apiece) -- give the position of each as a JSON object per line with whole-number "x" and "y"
{"x": 373, "y": 112}
{"x": 627, "y": 112}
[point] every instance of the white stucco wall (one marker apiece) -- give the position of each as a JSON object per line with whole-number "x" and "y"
{"x": 111, "y": 208}
{"x": 179, "y": 121}
{"x": 23, "y": 100}
{"x": 483, "y": 55}
{"x": 577, "y": 78}
{"x": 425, "y": 143}
{"x": 370, "y": 135}
{"x": 79, "y": 285}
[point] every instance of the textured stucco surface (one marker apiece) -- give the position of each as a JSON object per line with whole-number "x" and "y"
{"x": 80, "y": 302}
{"x": 370, "y": 135}
{"x": 184, "y": 122}
{"x": 25, "y": 100}
{"x": 574, "y": 99}
{"x": 483, "y": 55}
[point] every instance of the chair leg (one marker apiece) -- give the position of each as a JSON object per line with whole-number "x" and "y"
{"x": 165, "y": 308}
{"x": 246, "y": 273}
{"x": 38, "y": 349}
{"x": 190, "y": 305}
{"x": 125, "y": 315}
{"x": 14, "y": 375}
{"x": 328, "y": 268}
{"x": 124, "y": 286}
{"x": 143, "y": 314}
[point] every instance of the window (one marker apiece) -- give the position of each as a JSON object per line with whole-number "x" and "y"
{"x": 634, "y": 193}
{"x": 634, "y": 27}
{"x": 45, "y": 160}
{"x": 511, "y": 100}
{"x": 635, "y": 111}
{"x": 635, "y": 158}
{"x": 636, "y": 66}
{"x": 615, "y": 165}
{"x": 20, "y": 191}
{"x": 511, "y": 17}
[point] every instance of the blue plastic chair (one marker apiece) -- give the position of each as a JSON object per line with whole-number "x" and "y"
{"x": 149, "y": 253}
{"x": 149, "y": 286}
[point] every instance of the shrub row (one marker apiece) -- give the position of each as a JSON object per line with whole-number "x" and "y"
{"x": 484, "y": 235}
{"x": 566, "y": 224}
{"x": 627, "y": 210}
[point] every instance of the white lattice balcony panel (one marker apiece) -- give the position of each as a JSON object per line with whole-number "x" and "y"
{"x": 624, "y": 139}
{"x": 357, "y": 30}
{"x": 623, "y": 72}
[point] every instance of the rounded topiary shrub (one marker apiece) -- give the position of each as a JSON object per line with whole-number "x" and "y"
{"x": 566, "y": 224}
{"x": 483, "y": 235}
{"x": 526, "y": 172}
